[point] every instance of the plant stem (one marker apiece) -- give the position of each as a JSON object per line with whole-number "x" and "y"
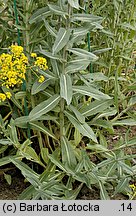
{"x": 62, "y": 102}
{"x": 62, "y": 105}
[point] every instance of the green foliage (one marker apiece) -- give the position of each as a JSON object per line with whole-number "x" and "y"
{"x": 70, "y": 112}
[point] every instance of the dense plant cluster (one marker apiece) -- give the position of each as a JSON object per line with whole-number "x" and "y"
{"x": 60, "y": 121}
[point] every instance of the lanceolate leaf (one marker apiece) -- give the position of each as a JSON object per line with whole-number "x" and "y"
{"x": 37, "y": 86}
{"x": 90, "y": 91}
{"x": 102, "y": 123}
{"x": 57, "y": 10}
{"x": 30, "y": 154}
{"x": 103, "y": 193}
{"x": 79, "y": 116}
{"x": 32, "y": 176}
{"x": 74, "y": 3}
{"x": 6, "y": 160}
{"x": 123, "y": 183}
{"x": 61, "y": 40}
{"x": 57, "y": 163}
{"x": 83, "y": 53}
{"x": 27, "y": 193}
{"x": 81, "y": 30}
{"x": 39, "y": 126}
{"x": 39, "y": 14}
{"x": 44, "y": 107}
{"x": 87, "y": 18}
{"x": 77, "y": 65}
{"x": 84, "y": 129}
{"x": 49, "y": 54}
{"x": 55, "y": 67}
{"x": 51, "y": 30}
{"x": 101, "y": 51}
{"x": 68, "y": 156}
{"x": 129, "y": 121}
{"x": 95, "y": 107}
{"x": 66, "y": 88}
{"x": 21, "y": 121}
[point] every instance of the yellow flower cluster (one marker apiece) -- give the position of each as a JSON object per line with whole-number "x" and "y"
{"x": 13, "y": 66}
{"x": 41, "y": 63}
{"x": 33, "y": 55}
{"x": 132, "y": 186}
{"x": 4, "y": 96}
{"x": 41, "y": 79}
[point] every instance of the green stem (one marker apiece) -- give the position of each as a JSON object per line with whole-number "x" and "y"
{"x": 26, "y": 42}
{"x": 62, "y": 105}
{"x": 17, "y": 22}
{"x": 62, "y": 101}
{"x": 89, "y": 45}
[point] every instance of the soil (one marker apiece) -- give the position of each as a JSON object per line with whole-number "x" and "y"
{"x": 11, "y": 192}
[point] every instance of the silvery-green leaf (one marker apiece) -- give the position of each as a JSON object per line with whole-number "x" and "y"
{"x": 66, "y": 87}
{"x": 86, "y": 17}
{"x": 132, "y": 101}
{"x": 51, "y": 30}
{"x": 68, "y": 156}
{"x": 126, "y": 167}
{"x": 57, "y": 162}
{"x": 77, "y": 113}
{"x": 40, "y": 127}
{"x": 27, "y": 193}
{"x": 6, "y": 160}
{"x": 20, "y": 95}
{"x": 96, "y": 76}
{"x": 37, "y": 86}
{"x": 74, "y": 3}
{"x": 84, "y": 129}
{"x": 5, "y": 142}
{"x": 101, "y": 51}
{"x": 81, "y": 31}
{"x": 121, "y": 186}
{"x": 55, "y": 67}
{"x": 90, "y": 91}
{"x": 39, "y": 14}
{"x": 28, "y": 173}
{"x": 57, "y": 10}
{"x": 44, "y": 107}
{"x": 50, "y": 55}
{"x": 103, "y": 193}
{"x": 77, "y": 64}
{"x": 129, "y": 121}
{"x": 95, "y": 107}
{"x": 83, "y": 53}
{"x": 62, "y": 39}
{"x": 102, "y": 123}
{"x": 21, "y": 121}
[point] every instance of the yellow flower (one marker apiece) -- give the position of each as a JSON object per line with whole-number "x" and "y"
{"x": 41, "y": 63}
{"x": 132, "y": 186}
{"x": 2, "y": 97}
{"x": 8, "y": 94}
{"x": 41, "y": 79}
{"x": 33, "y": 55}
{"x": 16, "y": 50}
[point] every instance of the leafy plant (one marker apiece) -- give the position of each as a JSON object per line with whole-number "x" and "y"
{"x": 59, "y": 121}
